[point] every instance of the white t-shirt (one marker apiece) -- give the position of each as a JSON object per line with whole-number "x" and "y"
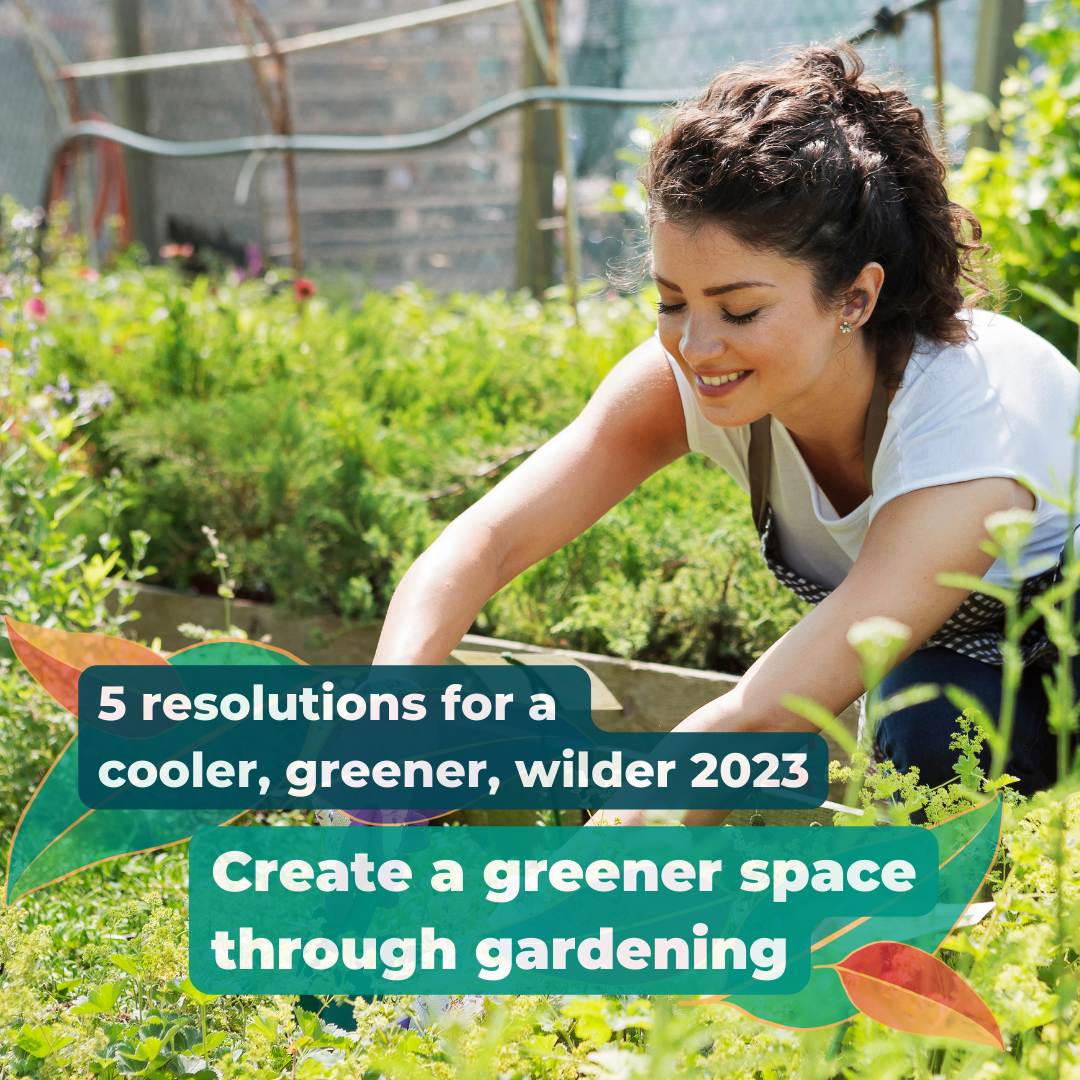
{"x": 1001, "y": 405}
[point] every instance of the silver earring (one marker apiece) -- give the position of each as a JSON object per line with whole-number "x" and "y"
{"x": 845, "y": 327}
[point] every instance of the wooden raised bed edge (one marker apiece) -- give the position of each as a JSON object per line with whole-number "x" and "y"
{"x": 654, "y": 697}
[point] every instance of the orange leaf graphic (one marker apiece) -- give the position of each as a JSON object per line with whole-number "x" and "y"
{"x": 56, "y": 658}
{"x": 910, "y": 990}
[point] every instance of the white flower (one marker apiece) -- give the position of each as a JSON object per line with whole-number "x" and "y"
{"x": 878, "y": 640}
{"x": 1009, "y": 529}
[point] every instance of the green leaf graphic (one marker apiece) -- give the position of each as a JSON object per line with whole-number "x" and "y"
{"x": 968, "y": 844}
{"x": 58, "y": 835}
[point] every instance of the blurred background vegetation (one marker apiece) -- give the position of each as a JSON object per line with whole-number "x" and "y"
{"x": 1026, "y": 191}
{"x": 329, "y": 447}
{"x": 329, "y": 441}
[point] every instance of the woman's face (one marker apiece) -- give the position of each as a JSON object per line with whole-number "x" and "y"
{"x": 745, "y": 328}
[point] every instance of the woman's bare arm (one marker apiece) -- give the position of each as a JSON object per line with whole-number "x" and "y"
{"x": 632, "y": 427}
{"x": 912, "y": 540}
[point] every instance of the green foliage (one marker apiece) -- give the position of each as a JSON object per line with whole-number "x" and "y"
{"x": 1027, "y": 192}
{"x": 160, "y": 1047}
{"x": 35, "y": 729}
{"x": 887, "y": 795}
{"x": 48, "y": 574}
{"x": 60, "y": 939}
{"x": 671, "y": 575}
{"x": 328, "y": 448}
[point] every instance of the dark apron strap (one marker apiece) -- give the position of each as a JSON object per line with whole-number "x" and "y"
{"x": 759, "y": 464}
{"x": 877, "y": 416}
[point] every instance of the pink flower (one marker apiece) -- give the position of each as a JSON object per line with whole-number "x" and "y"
{"x": 176, "y": 251}
{"x": 303, "y": 289}
{"x": 35, "y": 309}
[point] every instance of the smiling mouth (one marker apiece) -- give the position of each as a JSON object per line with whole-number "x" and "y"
{"x": 714, "y": 385}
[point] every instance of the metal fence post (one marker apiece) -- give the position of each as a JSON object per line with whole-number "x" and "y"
{"x": 279, "y": 112}
{"x": 939, "y": 78}
{"x": 535, "y": 244}
{"x": 133, "y": 101}
{"x": 996, "y": 52}
{"x": 567, "y": 166}
{"x": 544, "y": 38}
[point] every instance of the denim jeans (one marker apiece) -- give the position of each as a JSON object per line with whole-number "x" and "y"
{"x": 919, "y": 735}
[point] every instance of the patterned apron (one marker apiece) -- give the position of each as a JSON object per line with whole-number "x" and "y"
{"x": 975, "y": 629}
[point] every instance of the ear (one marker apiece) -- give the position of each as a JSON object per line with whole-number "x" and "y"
{"x": 863, "y": 294}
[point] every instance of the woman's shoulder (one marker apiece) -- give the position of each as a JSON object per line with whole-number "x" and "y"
{"x": 1002, "y": 403}
{"x": 996, "y": 336}
{"x": 1001, "y": 358}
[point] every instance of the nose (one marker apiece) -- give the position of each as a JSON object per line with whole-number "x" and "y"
{"x": 701, "y": 341}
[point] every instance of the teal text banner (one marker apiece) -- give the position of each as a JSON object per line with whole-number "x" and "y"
{"x": 408, "y": 738}
{"x": 608, "y": 909}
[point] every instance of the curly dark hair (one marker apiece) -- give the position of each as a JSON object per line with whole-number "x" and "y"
{"x": 812, "y": 161}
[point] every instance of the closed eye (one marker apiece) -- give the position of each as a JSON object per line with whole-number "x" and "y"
{"x": 739, "y": 320}
{"x": 667, "y": 309}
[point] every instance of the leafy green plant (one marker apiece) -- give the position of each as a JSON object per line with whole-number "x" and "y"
{"x": 46, "y": 575}
{"x": 1015, "y": 959}
{"x": 40, "y": 1042}
{"x": 334, "y": 445}
{"x": 160, "y": 1047}
{"x": 99, "y": 1001}
{"x": 327, "y": 449}
{"x": 1027, "y": 192}
{"x": 225, "y": 591}
{"x": 201, "y": 1000}
{"x": 49, "y": 574}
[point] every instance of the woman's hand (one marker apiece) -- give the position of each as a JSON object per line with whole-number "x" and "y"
{"x": 632, "y": 427}
{"x": 912, "y": 540}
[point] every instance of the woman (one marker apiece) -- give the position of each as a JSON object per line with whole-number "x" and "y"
{"x": 812, "y": 340}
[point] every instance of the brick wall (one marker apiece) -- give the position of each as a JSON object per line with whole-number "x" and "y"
{"x": 443, "y": 215}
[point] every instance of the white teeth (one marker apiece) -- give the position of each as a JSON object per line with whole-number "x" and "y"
{"x": 720, "y": 380}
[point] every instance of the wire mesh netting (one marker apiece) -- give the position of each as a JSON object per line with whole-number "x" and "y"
{"x": 655, "y": 43}
{"x": 445, "y": 215}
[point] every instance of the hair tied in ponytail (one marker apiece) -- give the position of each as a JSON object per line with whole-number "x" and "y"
{"x": 813, "y": 160}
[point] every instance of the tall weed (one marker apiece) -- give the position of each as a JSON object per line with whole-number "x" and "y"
{"x": 48, "y": 574}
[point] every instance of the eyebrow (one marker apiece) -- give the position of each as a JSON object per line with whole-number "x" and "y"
{"x": 717, "y": 290}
